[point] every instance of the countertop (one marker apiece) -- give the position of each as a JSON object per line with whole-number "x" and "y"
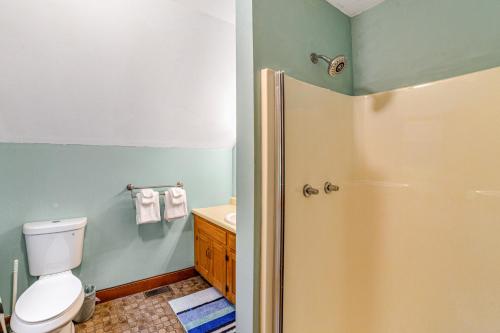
{"x": 216, "y": 215}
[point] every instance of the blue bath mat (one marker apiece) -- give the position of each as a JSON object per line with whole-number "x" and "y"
{"x": 205, "y": 311}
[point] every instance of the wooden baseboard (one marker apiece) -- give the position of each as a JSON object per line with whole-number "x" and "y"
{"x": 131, "y": 288}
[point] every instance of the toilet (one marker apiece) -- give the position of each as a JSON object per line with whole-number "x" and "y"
{"x": 54, "y": 248}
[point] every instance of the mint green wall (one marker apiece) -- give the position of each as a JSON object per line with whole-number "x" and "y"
{"x": 406, "y": 42}
{"x": 246, "y": 237}
{"x": 287, "y": 31}
{"x": 41, "y": 181}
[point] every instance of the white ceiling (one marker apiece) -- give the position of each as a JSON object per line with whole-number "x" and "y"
{"x": 354, "y": 7}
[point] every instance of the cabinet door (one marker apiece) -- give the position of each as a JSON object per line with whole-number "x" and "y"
{"x": 196, "y": 243}
{"x": 231, "y": 276}
{"x": 203, "y": 261}
{"x": 218, "y": 275}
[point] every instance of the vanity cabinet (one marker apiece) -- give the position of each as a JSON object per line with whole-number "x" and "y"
{"x": 215, "y": 256}
{"x": 231, "y": 268}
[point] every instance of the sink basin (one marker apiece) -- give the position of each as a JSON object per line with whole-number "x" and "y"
{"x": 230, "y": 218}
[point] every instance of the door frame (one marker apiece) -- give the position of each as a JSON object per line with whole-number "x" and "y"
{"x": 273, "y": 200}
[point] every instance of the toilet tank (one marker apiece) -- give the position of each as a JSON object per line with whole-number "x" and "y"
{"x": 54, "y": 246}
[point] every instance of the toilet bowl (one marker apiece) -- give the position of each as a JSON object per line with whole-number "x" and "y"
{"x": 50, "y": 304}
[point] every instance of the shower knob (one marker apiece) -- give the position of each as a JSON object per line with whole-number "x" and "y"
{"x": 308, "y": 190}
{"x": 329, "y": 187}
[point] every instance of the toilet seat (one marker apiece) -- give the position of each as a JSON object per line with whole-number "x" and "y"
{"x": 50, "y": 303}
{"x": 48, "y": 297}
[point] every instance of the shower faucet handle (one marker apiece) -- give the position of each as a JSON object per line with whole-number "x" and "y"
{"x": 329, "y": 187}
{"x": 308, "y": 190}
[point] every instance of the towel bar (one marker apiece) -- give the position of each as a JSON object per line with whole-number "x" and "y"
{"x": 133, "y": 188}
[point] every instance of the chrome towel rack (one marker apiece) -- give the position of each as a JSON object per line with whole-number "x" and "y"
{"x": 134, "y": 188}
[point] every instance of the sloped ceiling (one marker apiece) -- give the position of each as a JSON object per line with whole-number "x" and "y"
{"x": 156, "y": 73}
{"x": 221, "y": 9}
{"x": 354, "y": 7}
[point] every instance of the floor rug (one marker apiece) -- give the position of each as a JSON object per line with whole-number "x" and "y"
{"x": 206, "y": 311}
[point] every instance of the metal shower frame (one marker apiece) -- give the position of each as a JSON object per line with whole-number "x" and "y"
{"x": 279, "y": 209}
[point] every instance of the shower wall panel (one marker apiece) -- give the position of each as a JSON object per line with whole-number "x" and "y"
{"x": 411, "y": 242}
{"x": 426, "y": 184}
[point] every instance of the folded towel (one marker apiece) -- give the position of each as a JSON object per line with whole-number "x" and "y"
{"x": 175, "y": 207}
{"x": 147, "y": 206}
{"x": 177, "y": 195}
{"x": 147, "y": 196}
{"x": 177, "y": 192}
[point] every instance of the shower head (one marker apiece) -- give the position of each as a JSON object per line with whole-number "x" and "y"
{"x": 335, "y": 65}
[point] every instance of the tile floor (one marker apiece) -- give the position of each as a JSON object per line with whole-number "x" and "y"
{"x": 137, "y": 313}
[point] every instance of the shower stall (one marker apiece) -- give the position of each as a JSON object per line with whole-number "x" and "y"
{"x": 381, "y": 213}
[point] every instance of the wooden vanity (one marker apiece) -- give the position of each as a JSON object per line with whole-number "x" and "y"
{"x": 215, "y": 256}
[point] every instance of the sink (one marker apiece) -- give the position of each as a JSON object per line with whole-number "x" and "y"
{"x": 230, "y": 218}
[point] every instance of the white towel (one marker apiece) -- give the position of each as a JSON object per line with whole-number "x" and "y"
{"x": 177, "y": 195}
{"x": 147, "y": 206}
{"x": 175, "y": 204}
{"x": 147, "y": 196}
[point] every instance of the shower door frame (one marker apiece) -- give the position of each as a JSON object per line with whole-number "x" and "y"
{"x": 273, "y": 201}
{"x": 279, "y": 209}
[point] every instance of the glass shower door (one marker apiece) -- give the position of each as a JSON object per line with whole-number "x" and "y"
{"x": 317, "y": 159}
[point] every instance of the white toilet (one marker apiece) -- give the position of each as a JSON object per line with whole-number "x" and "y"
{"x": 50, "y": 304}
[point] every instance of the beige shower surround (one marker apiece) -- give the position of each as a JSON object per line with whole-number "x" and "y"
{"x": 411, "y": 243}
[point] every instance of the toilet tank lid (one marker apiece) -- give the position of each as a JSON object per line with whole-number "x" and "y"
{"x": 53, "y": 226}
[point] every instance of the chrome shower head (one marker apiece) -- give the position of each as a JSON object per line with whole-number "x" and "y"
{"x": 335, "y": 65}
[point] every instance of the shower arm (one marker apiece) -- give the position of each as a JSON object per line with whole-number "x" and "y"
{"x": 315, "y": 58}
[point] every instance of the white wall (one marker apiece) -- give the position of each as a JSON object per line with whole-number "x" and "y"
{"x": 118, "y": 72}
